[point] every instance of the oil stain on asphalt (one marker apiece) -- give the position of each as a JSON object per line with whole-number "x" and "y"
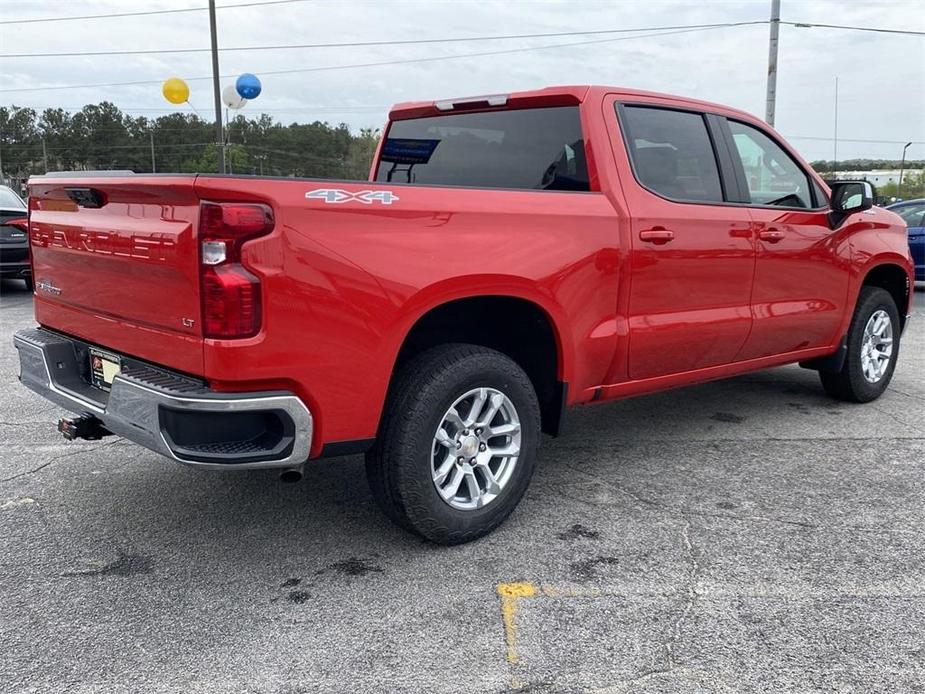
{"x": 586, "y": 570}
{"x": 576, "y": 531}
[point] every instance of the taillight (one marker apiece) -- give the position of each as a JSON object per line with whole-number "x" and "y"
{"x": 230, "y": 294}
{"x": 15, "y": 229}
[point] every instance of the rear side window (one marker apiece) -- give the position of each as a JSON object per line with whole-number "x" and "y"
{"x": 539, "y": 148}
{"x": 773, "y": 177}
{"x": 672, "y": 153}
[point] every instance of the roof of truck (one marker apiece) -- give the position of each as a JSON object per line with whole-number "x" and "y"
{"x": 547, "y": 96}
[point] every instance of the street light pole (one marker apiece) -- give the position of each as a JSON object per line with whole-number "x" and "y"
{"x": 902, "y": 165}
{"x": 772, "y": 63}
{"x": 219, "y": 131}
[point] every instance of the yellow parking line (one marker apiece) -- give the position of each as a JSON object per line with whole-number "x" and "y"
{"x": 510, "y": 593}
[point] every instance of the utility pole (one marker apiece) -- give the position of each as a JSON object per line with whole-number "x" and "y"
{"x": 835, "y": 136}
{"x": 219, "y": 131}
{"x": 772, "y": 62}
{"x": 153, "y": 162}
{"x": 44, "y": 155}
{"x": 902, "y": 166}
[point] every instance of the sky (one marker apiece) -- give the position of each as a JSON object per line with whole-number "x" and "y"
{"x": 881, "y": 77}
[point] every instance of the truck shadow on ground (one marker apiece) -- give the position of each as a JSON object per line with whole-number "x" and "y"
{"x": 145, "y": 504}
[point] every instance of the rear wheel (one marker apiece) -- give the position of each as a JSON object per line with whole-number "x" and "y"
{"x": 29, "y": 283}
{"x": 457, "y": 444}
{"x": 873, "y": 345}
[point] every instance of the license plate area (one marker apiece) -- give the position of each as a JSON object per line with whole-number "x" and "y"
{"x": 104, "y": 366}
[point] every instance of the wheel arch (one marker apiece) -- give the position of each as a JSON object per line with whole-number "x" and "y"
{"x": 511, "y": 318}
{"x": 893, "y": 277}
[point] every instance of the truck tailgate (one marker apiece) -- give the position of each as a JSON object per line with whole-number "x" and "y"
{"x": 116, "y": 262}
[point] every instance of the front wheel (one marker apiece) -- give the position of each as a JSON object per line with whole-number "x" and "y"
{"x": 457, "y": 444}
{"x": 873, "y": 345}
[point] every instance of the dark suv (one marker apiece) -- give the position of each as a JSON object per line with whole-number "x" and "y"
{"x": 14, "y": 238}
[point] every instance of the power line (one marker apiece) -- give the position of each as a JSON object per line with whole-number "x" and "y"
{"x": 142, "y": 145}
{"x": 406, "y": 61}
{"x": 145, "y": 13}
{"x": 366, "y": 44}
{"x": 877, "y": 30}
{"x": 408, "y": 42}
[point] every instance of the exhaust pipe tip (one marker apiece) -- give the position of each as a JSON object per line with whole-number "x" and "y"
{"x": 291, "y": 475}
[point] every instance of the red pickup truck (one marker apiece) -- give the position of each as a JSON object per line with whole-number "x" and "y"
{"x": 511, "y": 255}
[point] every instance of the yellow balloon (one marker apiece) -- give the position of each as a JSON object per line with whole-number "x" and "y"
{"x": 175, "y": 90}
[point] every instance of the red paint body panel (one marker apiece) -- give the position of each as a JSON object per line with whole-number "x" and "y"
{"x": 801, "y": 283}
{"x": 343, "y": 284}
{"x": 128, "y": 272}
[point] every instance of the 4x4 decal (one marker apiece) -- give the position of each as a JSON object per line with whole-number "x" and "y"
{"x": 366, "y": 197}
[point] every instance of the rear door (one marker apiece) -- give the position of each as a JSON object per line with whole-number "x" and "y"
{"x": 116, "y": 263}
{"x": 692, "y": 256}
{"x": 801, "y": 274}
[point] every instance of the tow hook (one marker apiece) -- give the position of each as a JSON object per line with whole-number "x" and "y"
{"x": 85, "y": 426}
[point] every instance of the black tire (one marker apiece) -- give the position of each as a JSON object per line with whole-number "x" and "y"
{"x": 399, "y": 468}
{"x": 30, "y": 285}
{"x": 849, "y": 384}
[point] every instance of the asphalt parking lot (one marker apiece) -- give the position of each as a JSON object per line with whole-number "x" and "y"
{"x": 745, "y": 535}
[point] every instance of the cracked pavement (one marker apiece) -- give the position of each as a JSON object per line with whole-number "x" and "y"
{"x": 744, "y": 535}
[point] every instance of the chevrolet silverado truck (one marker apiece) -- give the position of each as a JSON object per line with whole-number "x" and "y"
{"x": 509, "y": 256}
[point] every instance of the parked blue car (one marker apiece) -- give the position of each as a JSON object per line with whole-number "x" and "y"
{"x": 913, "y": 213}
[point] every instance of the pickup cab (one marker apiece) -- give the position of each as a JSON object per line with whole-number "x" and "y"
{"x": 510, "y": 256}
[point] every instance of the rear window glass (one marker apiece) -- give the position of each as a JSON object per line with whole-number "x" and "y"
{"x": 9, "y": 199}
{"x": 538, "y": 149}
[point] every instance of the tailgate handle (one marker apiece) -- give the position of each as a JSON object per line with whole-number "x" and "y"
{"x": 86, "y": 197}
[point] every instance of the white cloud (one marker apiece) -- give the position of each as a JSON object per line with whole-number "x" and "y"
{"x": 881, "y": 77}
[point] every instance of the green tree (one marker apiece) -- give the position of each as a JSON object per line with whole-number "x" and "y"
{"x": 913, "y": 187}
{"x": 100, "y": 136}
{"x": 20, "y": 143}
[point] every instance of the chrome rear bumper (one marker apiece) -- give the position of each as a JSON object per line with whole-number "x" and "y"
{"x": 171, "y": 414}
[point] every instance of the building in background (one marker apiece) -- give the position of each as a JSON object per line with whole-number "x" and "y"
{"x": 880, "y": 177}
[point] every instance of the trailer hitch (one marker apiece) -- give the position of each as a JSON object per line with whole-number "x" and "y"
{"x": 84, "y": 426}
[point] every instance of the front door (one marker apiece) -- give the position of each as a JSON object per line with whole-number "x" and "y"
{"x": 692, "y": 256}
{"x": 801, "y": 273}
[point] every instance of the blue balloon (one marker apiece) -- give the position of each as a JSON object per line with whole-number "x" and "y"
{"x": 248, "y": 86}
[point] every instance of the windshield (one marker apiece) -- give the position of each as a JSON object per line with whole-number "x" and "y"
{"x": 539, "y": 148}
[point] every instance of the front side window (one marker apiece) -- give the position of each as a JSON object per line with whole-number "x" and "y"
{"x": 537, "y": 148}
{"x": 773, "y": 177}
{"x": 672, "y": 153}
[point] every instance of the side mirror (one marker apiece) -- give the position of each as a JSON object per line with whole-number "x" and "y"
{"x": 849, "y": 197}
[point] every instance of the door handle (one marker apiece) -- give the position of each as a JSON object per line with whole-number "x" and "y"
{"x": 658, "y": 235}
{"x": 771, "y": 235}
